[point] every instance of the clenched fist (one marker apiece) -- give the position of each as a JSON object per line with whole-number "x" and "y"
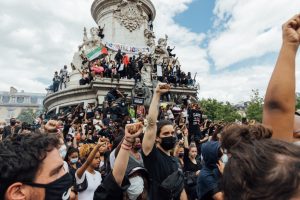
{"x": 291, "y": 31}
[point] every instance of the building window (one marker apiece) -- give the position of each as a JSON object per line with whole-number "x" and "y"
{"x": 20, "y": 99}
{"x": 13, "y": 100}
{"x": 5, "y": 99}
{"x": 33, "y": 100}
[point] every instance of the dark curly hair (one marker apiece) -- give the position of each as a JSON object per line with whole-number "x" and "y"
{"x": 259, "y": 167}
{"x": 21, "y": 156}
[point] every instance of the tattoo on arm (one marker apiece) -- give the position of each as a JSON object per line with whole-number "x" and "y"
{"x": 151, "y": 122}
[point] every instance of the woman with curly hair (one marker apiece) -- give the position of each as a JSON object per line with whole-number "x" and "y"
{"x": 87, "y": 178}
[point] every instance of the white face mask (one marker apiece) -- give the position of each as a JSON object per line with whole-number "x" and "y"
{"x": 136, "y": 187}
{"x": 63, "y": 151}
{"x": 224, "y": 158}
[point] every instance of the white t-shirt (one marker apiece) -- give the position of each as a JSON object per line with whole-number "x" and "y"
{"x": 95, "y": 121}
{"x": 72, "y": 131}
{"x": 94, "y": 180}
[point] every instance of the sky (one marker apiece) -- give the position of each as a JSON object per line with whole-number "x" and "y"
{"x": 231, "y": 44}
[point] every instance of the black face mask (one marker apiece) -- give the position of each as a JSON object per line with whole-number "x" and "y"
{"x": 12, "y": 123}
{"x": 58, "y": 189}
{"x": 168, "y": 143}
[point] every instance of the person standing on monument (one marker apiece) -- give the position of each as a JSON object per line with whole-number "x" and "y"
{"x": 56, "y": 81}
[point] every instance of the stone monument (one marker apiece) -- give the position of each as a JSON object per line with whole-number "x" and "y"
{"x": 125, "y": 25}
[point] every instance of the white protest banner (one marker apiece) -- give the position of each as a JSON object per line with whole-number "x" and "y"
{"x": 128, "y": 49}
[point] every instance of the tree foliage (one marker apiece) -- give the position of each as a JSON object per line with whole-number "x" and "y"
{"x": 27, "y": 115}
{"x": 217, "y": 111}
{"x": 255, "y": 107}
{"x": 298, "y": 103}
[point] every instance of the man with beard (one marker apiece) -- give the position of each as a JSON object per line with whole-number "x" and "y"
{"x": 157, "y": 158}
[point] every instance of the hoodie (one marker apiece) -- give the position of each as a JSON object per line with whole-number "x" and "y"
{"x": 208, "y": 181}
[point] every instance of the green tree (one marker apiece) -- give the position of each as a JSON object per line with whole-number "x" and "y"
{"x": 217, "y": 111}
{"x": 255, "y": 107}
{"x": 298, "y": 103}
{"x": 27, "y": 115}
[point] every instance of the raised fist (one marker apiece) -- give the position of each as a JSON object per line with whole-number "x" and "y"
{"x": 162, "y": 88}
{"x": 291, "y": 31}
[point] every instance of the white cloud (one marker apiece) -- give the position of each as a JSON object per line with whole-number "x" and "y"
{"x": 39, "y": 36}
{"x": 187, "y": 43}
{"x": 252, "y": 30}
{"x": 235, "y": 86}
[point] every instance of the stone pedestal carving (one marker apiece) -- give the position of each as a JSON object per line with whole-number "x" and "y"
{"x": 124, "y": 20}
{"x": 130, "y": 14}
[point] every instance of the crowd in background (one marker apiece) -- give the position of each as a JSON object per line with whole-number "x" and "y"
{"x": 123, "y": 66}
{"x": 164, "y": 152}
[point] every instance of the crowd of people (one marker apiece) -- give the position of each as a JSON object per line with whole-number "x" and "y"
{"x": 123, "y": 66}
{"x": 122, "y": 151}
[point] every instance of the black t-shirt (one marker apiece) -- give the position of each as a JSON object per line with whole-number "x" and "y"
{"x": 188, "y": 164}
{"x": 194, "y": 119}
{"x": 159, "y": 166}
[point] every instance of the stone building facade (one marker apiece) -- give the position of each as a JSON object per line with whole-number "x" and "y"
{"x": 13, "y": 102}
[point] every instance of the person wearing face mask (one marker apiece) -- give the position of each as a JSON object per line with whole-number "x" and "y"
{"x": 192, "y": 167}
{"x": 72, "y": 158}
{"x": 158, "y": 142}
{"x": 38, "y": 156}
{"x": 125, "y": 181}
{"x": 11, "y": 129}
{"x": 179, "y": 153}
{"x": 87, "y": 172}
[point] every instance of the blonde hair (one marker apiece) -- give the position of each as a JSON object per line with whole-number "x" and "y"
{"x": 85, "y": 150}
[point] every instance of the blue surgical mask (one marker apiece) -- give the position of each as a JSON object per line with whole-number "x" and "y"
{"x": 74, "y": 160}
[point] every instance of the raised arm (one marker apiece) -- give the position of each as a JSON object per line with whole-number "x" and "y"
{"x": 131, "y": 132}
{"x": 150, "y": 133}
{"x": 90, "y": 158}
{"x": 279, "y": 105}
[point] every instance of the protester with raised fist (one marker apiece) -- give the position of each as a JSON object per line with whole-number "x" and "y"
{"x": 116, "y": 183}
{"x": 279, "y": 106}
{"x": 158, "y": 142}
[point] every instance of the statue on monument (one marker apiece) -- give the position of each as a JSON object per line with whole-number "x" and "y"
{"x": 161, "y": 47}
{"x": 141, "y": 90}
{"x": 150, "y": 38}
{"x": 160, "y": 52}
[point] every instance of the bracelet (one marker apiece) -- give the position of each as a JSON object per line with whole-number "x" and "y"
{"x": 128, "y": 141}
{"x": 128, "y": 145}
{"x": 125, "y": 147}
